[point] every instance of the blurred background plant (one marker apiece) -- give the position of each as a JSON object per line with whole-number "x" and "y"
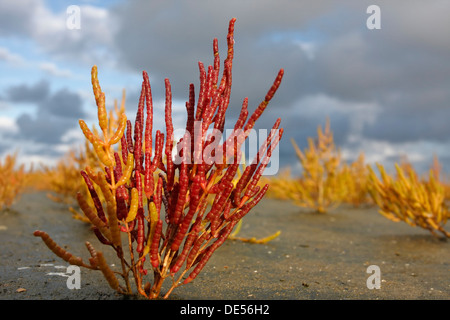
{"x": 282, "y": 185}
{"x": 355, "y": 178}
{"x": 321, "y": 185}
{"x": 405, "y": 197}
{"x": 13, "y": 181}
{"x": 326, "y": 180}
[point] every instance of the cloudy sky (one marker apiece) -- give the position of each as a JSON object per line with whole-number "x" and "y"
{"x": 386, "y": 91}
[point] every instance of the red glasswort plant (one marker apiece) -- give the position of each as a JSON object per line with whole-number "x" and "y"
{"x": 160, "y": 202}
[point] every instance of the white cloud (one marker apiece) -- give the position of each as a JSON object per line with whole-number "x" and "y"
{"x": 308, "y": 48}
{"x": 70, "y": 136}
{"x": 50, "y": 32}
{"x": 10, "y": 57}
{"x": 53, "y": 70}
{"x": 8, "y": 125}
{"x": 32, "y": 153}
{"x": 420, "y": 154}
{"x": 36, "y": 160}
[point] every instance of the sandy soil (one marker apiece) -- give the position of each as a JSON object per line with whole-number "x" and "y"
{"x": 316, "y": 256}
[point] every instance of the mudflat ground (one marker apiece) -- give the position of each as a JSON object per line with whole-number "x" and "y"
{"x": 316, "y": 257}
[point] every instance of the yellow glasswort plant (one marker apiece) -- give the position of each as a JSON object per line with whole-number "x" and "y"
{"x": 321, "y": 185}
{"x": 169, "y": 228}
{"x": 326, "y": 180}
{"x": 282, "y": 185}
{"x": 234, "y": 236}
{"x": 64, "y": 180}
{"x": 355, "y": 177}
{"x": 439, "y": 175}
{"x": 408, "y": 199}
{"x": 13, "y": 181}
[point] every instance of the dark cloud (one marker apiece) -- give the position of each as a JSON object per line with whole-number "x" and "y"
{"x": 174, "y": 36}
{"x": 399, "y": 125}
{"x": 64, "y": 103}
{"x": 29, "y": 93}
{"x": 56, "y": 113}
{"x": 44, "y": 128}
{"x": 4, "y": 147}
{"x": 16, "y": 19}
